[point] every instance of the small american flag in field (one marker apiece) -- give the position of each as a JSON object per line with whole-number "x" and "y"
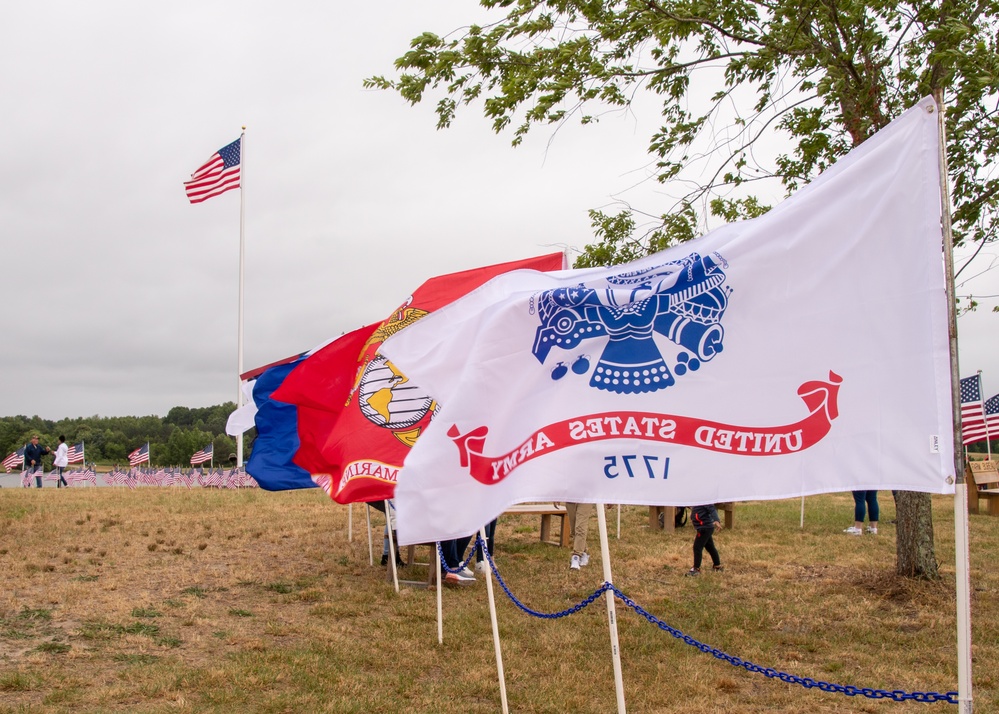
{"x": 15, "y": 459}
{"x": 219, "y": 174}
{"x": 75, "y": 454}
{"x": 202, "y": 456}
{"x": 139, "y": 456}
{"x": 972, "y": 414}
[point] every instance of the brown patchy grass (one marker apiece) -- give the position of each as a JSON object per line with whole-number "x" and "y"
{"x": 164, "y": 600}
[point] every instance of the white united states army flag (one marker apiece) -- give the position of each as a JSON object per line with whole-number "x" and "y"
{"x": 799, "y": 353}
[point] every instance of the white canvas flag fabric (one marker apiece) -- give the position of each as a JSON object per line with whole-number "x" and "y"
{"x": 803, "y": 352}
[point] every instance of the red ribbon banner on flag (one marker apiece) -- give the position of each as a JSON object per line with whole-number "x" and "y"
{"x": 820, "y": 398}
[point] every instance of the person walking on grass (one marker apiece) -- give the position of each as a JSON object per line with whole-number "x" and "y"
{"x": 864, "y": 501}
{"x": 705, "y": 520}
{"x": 33, "y": 454}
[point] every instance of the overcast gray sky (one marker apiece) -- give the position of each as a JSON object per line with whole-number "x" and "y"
{"x": 121, "y": 297}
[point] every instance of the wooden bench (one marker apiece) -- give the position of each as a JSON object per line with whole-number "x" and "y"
{"x": 982, "y": 479}
{"x": 547, "y": 511}
{"x": 661, "y": 517}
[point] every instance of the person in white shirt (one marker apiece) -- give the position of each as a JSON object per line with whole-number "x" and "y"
{"x": 61, "y": 461}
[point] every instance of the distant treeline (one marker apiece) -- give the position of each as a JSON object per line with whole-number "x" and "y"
{"x": 173, "y": 439}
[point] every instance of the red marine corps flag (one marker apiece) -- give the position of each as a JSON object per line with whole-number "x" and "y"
{"x": 358, "y": 415}
{"x": 802, "y": 352}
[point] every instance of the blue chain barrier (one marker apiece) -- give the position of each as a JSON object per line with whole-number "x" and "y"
{"x": 849, "y": 690}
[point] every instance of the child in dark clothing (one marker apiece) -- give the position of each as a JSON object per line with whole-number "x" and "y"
{"x": 705, "y": 520}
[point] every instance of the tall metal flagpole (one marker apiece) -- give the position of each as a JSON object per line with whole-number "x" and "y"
{"x": 242, "y": 250}
{"x": 962, "y": 561}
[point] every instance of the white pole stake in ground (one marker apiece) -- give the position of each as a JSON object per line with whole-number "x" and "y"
{"x": 611, "y": 614}
{"x": 961, "y": 556}
{"x": 440, "y": 586}
{"x": 391, "y": 541}
{"x": 495, "y": 625}
{"x": 371, "y": 554}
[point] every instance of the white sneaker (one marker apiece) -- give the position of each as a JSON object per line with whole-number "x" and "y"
{"x": 482, "y": 567}
{"x": 465, "y": 572}
{"x": 872, "y": 531}
{"x": 853, "y": 530}
{"x": 574, "y": 563}
{"x": 584, "y": 559}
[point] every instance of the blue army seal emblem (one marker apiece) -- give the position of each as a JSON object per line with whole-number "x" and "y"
{"x": 682, "y": 300}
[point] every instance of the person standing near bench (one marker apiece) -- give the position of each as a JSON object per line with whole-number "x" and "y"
{"x": 579, "y": 517}
{"x": 33, "y": 454}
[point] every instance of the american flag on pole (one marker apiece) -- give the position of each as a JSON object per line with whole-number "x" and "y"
{"x": 992, "y": 416}
{"x": 75, "y": 454}
{"x": 202, "y": 456}
{"x": 972, "y": 411}
{"x": 140, "y": 455}
{"x": 219, "y": 174}
{"x": 15, "y": 459}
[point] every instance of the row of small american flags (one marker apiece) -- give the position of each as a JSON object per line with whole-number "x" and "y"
{"x": 979, "y": 418}
{"x": 135, "y": 477}
{"x": 75, "y": 455}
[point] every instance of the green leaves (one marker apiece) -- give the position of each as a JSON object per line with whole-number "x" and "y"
{"x": 813, "y": 79}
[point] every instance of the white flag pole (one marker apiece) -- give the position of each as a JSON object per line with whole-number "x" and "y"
{"x": 440, "y": 602}
{"x": 988, "y": 438}
{"x": 239, "y": 329}
{"x": 495, "y": 625}
{"x": 371, "y": 554}
{"x": 611, "y": 614}
{"x": 619, "y": 521}
{"x": 391, "y": 540}
{"x": 961, "y": 554}
{"x": 350, "y": 522}
{"x": 802, "y": 524}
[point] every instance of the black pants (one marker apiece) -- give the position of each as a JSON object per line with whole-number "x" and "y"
{"x": 490, "y": 541}
{"x": 705, "y": 541}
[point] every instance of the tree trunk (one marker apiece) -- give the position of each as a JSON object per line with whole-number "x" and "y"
{"x": 914, "y": 555}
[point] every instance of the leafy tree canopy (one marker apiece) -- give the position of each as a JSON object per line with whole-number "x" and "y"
{"x": 813, "y": 77}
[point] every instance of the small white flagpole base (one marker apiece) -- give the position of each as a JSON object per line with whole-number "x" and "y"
{"x": 350, "y": 522}
{"x": 495, "y": 625}
{"x": 611, "y": 614}
{"x": 391, "y": 540}
{"x": 371, "y": 554}
{"x": 440, "y": 604}
{"x": 963, "y": 596}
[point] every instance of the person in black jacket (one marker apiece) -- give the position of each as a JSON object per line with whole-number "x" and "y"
{"x": 706, "y": 521}
{"x": 33, "y": 454}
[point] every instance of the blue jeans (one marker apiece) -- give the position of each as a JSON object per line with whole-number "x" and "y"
{"x": 37, "y": 472}
{"x": 454, "y": 550}
{"x": 868, "y": 499}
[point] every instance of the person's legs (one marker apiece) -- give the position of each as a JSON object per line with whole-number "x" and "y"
{"x": 580, "y": 526}
{"x": 709, "y": 545}
{"x": 38, "y": 476}
{"x": 859, "y": 508}
{"x": 62, "y": 478}
{"x": 490, "y": 541}
{"x": 873, "y": 511}
{"x": 700, "y": 540}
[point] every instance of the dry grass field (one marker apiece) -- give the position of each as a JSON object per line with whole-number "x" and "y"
{"x": 168, "y": 600}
